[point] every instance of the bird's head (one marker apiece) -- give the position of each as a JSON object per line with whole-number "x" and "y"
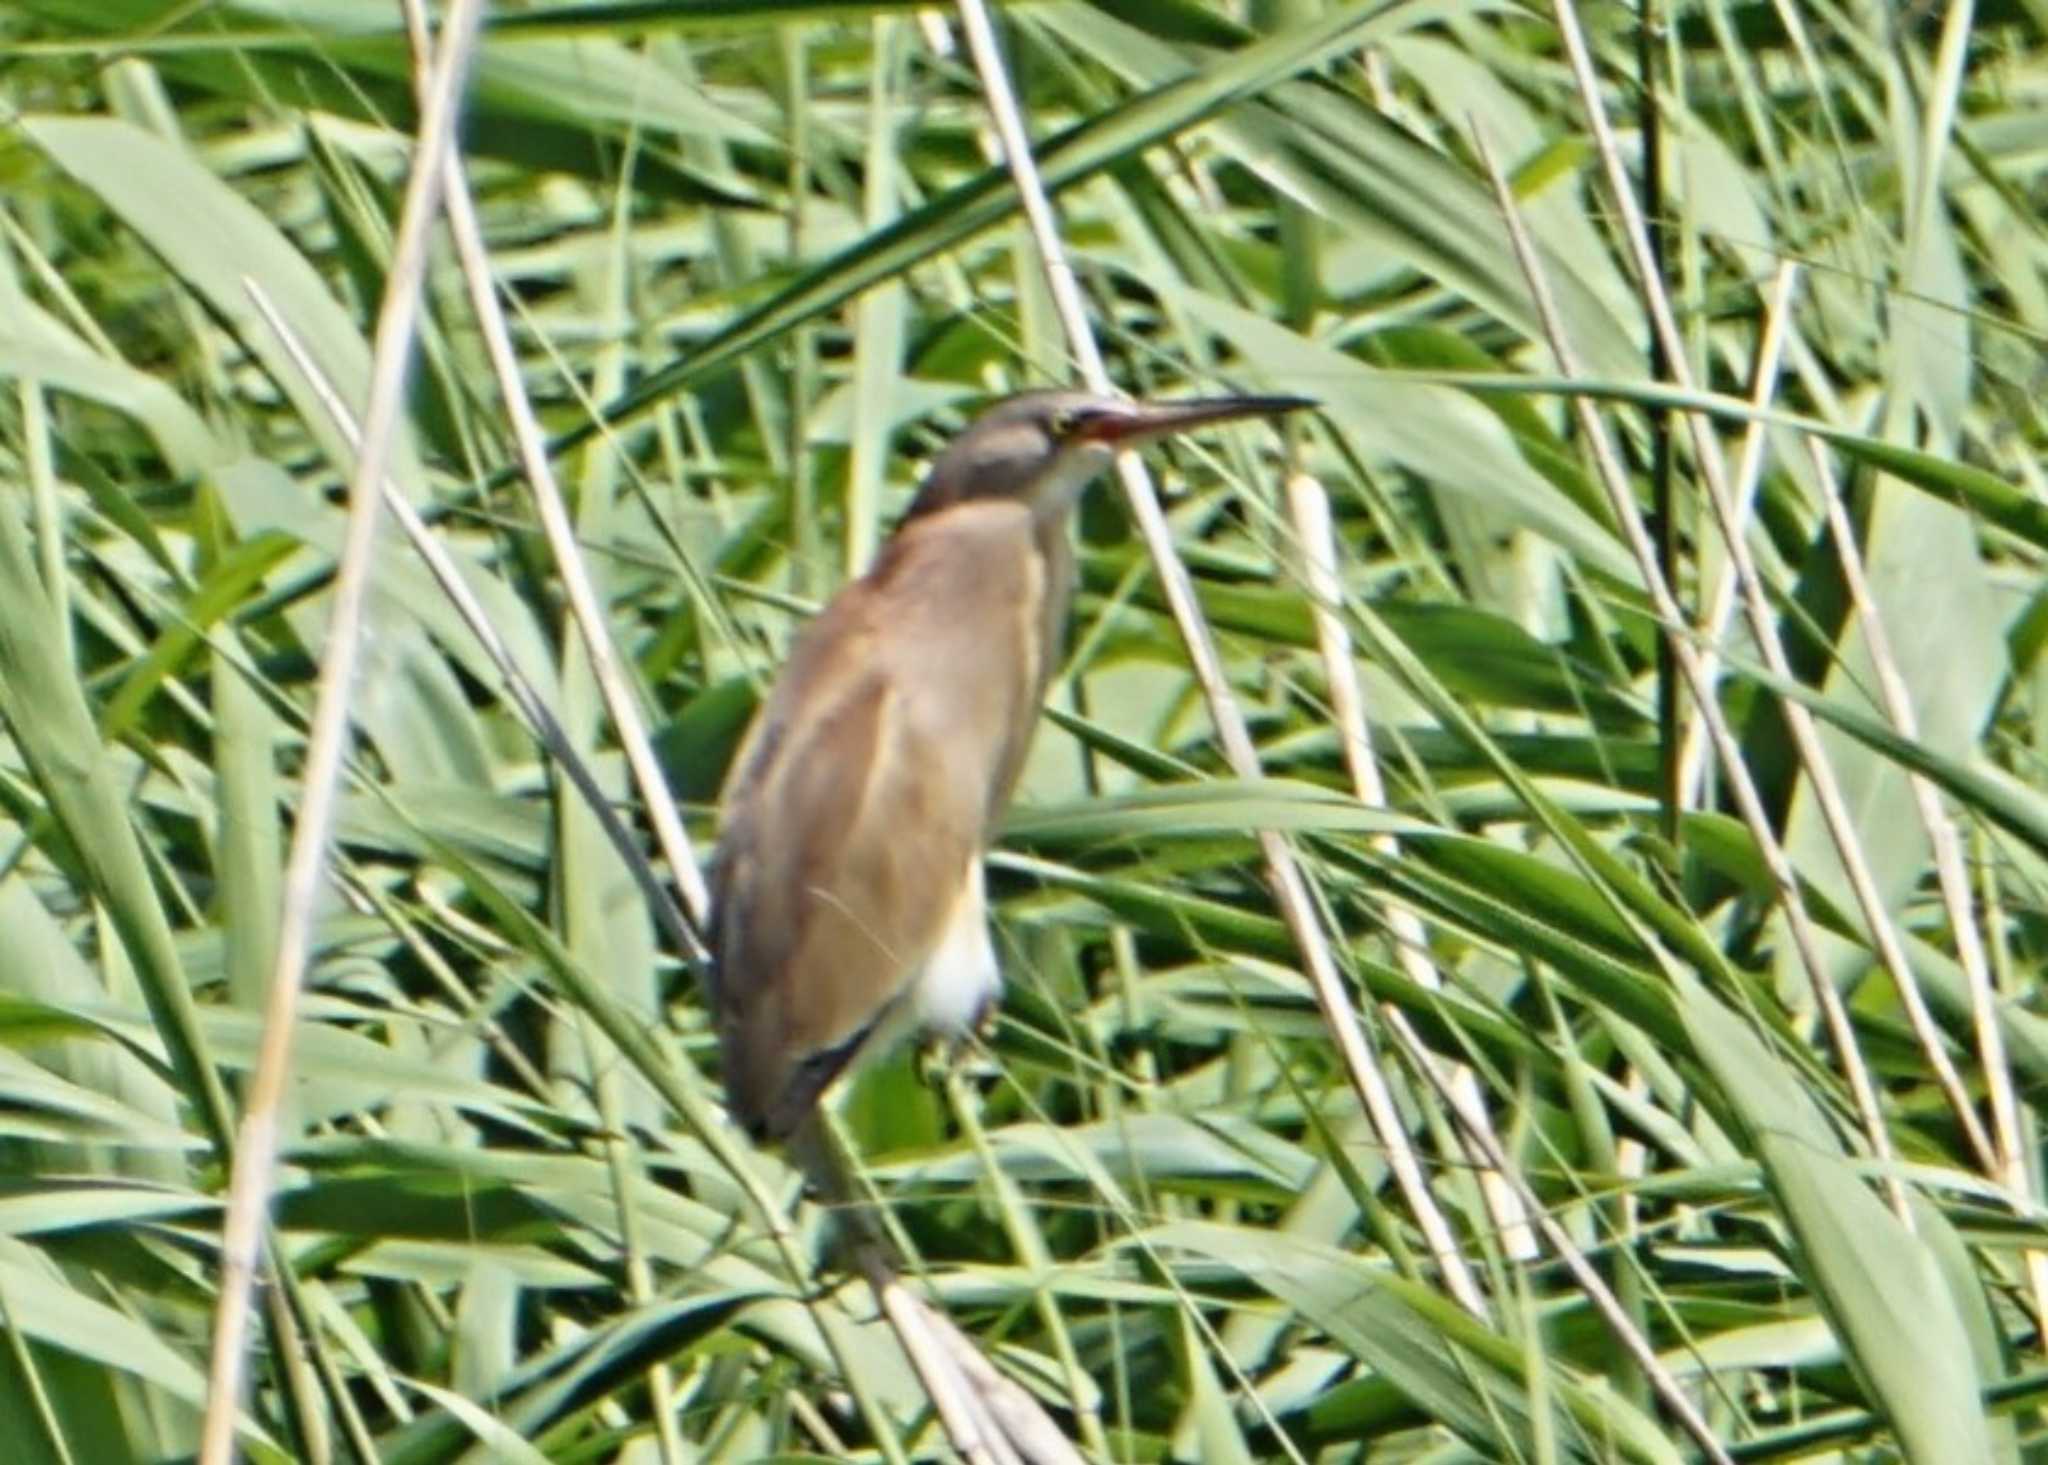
{"x": 1043, "y": 448}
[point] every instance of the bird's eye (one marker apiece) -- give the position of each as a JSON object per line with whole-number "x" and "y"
{"x": 1063, "y": 422}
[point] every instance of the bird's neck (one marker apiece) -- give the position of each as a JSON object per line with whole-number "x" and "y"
{"x": 1053, "y": 534}
{"x": 1052, "y": 501}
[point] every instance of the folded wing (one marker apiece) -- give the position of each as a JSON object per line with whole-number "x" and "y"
{"x": 860, "y": 802}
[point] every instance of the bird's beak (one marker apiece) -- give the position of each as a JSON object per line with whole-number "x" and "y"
{"x": 1130, "y": 424}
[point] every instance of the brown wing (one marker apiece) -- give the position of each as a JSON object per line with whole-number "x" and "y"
{"x": 861, "y": 797}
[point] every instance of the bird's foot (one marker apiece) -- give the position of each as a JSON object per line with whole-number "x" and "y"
{"x": 945, "y": 1052}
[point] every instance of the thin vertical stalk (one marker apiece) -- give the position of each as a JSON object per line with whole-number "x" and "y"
{"x": 255, "y": 1159}
{"x": 1583, "y": 1272}
{"x": 1951, "y": 877}
{"x": 2004, "y": 984}
{"x": 806, "y": 560}
{"x": 1749, "y": 803}
{"x": 695, "y": 1114}
{"x": 1813, "y": 758}
{"x": 1283, "y": 874}
{"x": 1029, "y": 1244}
{"x": 1309, "y": 508}
{"x": 1749, "y": 467}
{"x": 619, "y": 699}
{"x": 1663, "y": 506}
{"x": 878, "y": 313}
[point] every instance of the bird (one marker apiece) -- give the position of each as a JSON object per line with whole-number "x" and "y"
{"x": 847, "y": 901}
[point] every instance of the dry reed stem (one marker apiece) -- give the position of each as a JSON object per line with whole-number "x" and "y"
{"x": 1583, "y": 1272}
{"x": 1749, "y": 803}
{"x": 1813, "y": 761}
{"x": 1283, "y": 874}
{"x": 1952, "y": 877}
{"x": 1308, "y": 506}
{"x": 703, "y": 1123}
{"x": 1720, "y": 601}
{"x": 255, "y": 1158}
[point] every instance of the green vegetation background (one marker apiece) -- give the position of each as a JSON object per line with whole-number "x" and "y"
{"x": 768, "y": 246}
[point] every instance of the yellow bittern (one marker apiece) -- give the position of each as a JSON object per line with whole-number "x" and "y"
{"x": 847, "y": 901}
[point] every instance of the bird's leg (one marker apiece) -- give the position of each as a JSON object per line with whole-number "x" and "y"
{"x": 941, "y": 1053}
{"x": 860, "y": 1225}
{"x": 984, "y": 1025}
{"x": 984, "y": 1412}
{"x": 936, "y": 1055}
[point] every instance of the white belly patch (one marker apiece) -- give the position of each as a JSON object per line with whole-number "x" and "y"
{"x": 960, "y": 978}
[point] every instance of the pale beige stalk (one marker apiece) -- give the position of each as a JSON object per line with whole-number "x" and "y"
{"x": 1308, "y": 506}
{"x": 255, "y": 1158}
{"x": 1283, "y": 874}
{"x": 1813, "y": 758}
